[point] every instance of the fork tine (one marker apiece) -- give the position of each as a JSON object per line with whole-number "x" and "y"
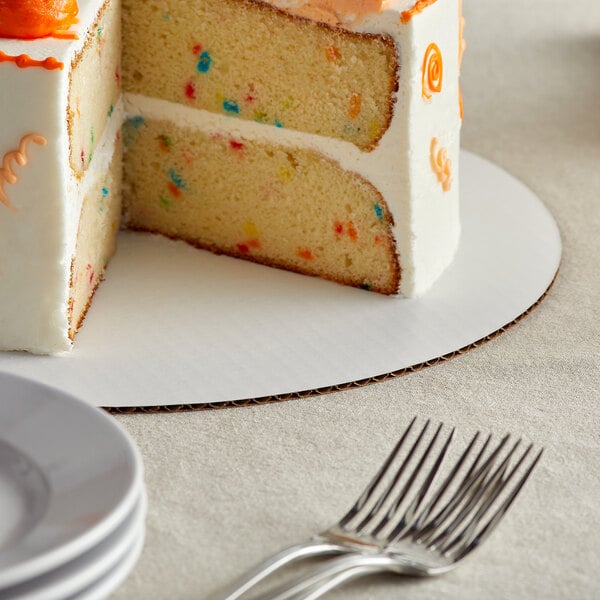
{"x": 368, "y": 491}
{"x": 469, "y": 532}
{"x": 467, "y": 486}
{"x": 428, "y": 509}
{"x": 373, "y": 513}
{"x": 483, "y": 487}
{"x": 412, "y": 508}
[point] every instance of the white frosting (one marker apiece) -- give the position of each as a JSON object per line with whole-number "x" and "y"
{"x": 37, "y": 243}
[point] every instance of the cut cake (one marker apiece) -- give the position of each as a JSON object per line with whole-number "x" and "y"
{"x": 320, "y": 137}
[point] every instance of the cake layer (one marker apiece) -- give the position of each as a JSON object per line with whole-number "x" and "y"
{"x": 250, "y": 60}
{"x": 94, "y": 86}
{"x": 276, "y": 204}
{"x": 96, "y": 237}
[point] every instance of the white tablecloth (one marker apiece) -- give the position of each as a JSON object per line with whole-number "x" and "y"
{"x": 229, "y": 487}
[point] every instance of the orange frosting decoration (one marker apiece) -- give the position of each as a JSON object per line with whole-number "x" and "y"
{"x": 24, "y": 60}
{"x": 419, "y": 7}
{"x": 31, "y": 19}
{"x": 19, "y": 156}
{"x": 433, "y": 71}
{"x": 441, "y": 164}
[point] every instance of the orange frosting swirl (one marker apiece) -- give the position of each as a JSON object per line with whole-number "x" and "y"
{"x": 441, "y": 164}
{"x": 31, "y": 19}
{"x": 433, "y": 71}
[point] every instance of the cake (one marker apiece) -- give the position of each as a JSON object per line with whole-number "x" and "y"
{"x": 317, "y": 136}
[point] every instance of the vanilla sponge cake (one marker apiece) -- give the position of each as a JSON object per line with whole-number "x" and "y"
{"x": 320, "y": 137}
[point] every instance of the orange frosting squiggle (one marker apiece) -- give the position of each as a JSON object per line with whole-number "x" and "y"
{"x": 19, "y": 156}
{"x": 24, "y": 60}
{"x": 441, "y": 164}
{"x": 419, "y": 7}
{"x": 433, "y": 71}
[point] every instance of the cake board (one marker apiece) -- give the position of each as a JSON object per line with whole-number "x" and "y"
{"x": 172, "y": 327}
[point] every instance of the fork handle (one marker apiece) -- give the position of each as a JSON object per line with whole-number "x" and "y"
{"x": 279, "y": 560}
{"x": 336, "y": 572}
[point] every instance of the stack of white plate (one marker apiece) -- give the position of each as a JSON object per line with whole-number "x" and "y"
{"x": 72, "y": 497}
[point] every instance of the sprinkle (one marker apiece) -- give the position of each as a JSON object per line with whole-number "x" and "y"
{"x": 175, "y": 191}
{"x": 204, "y": 62}
{"x": 236, "y": 145}
{"x": 354, "y": 108}
{"x": 338, "y": 227}
{"x": 105, "y": 191}
{"x": 378, "y": 211}
{"x": 260, "y": 116}
{"x": 333, "y": 54}
{"x": 250, "y": 229}
{"x": 278, "y": 123}
{"x": 165, "y": 201}
{"x": 305, "y": 253}
{"x": 176, "y": 179}
{"x": 231, "y": 106}
{"x": 165, "y": 142}
{"x": 190, "y": 90}
{"x": 243, "y": 248}
{"x": 197, "y": 49}
{"x": 352, "y": 233}
{"x": 365, "y": 286}
{"x": 111, "y": 109}
{"x": 136, "y": 121}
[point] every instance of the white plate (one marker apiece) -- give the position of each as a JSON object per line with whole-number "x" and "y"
{"x": 110, "y": 582}
{"x": 79, "y": 476}
{"x": 174, "y": 325}
{"x": 88, "y": 568}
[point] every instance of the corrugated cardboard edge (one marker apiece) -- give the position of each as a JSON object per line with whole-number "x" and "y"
{"x": 332, "y": 388}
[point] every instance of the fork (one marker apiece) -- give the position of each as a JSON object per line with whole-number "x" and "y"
{"x": 427, "y": 533}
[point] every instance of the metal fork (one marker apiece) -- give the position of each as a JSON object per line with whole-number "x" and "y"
{"x": 426, "y": 533}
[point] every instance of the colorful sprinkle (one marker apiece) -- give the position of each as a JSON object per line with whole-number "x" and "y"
{"x": 355, "y": 105}
{"x": 176, "y": 179}
{"x": 204, "y": 62}
{"x": 333, "y": 54}
{"x": 175, "y": 191}
{"x": 250, "y": 229}
{"x": 234, "y": 145}
{"x": 260, "y": 116}
{"x": 305, "y": 253}
{"x": 190, "y": 90}
{"x": 136, "y": 121}
{"x": 277, "y": 123}
{"x": 378, "y": 211}
{"x": 231, "y": 106}
{"x": 165, "y": 142}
